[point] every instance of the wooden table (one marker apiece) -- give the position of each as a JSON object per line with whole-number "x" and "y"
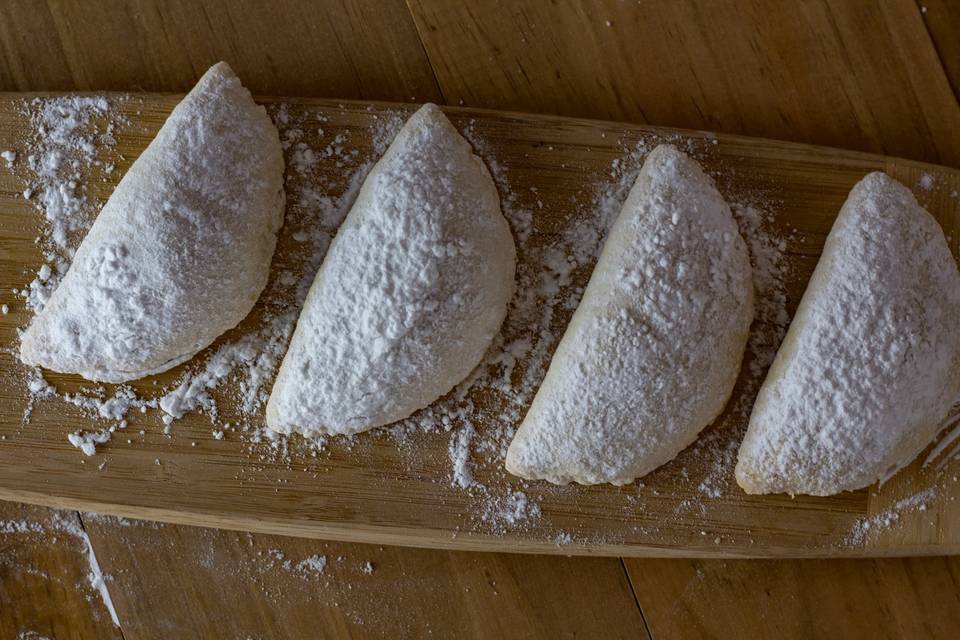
{"x": 876, "y": 76}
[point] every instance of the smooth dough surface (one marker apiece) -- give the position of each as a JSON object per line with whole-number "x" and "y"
{"x": 653, "y": 349}
{"x": 870, "y": 365}
{"x": 181, "y": 250}
{"x": 410, "y": 295}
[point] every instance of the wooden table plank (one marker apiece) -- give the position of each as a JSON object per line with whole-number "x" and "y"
{"x": 281, "y": 47}
{"x": 175, "y": 581}
{"x": 869, "y": 599}
{"x": 44, "y": 588}
{"x": 942, "y": 18}
{"x": 856, "y": 75}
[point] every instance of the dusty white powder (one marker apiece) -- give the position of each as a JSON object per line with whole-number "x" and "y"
{"x": 95, "y": 404}
{"x": 864, "y": 529}
{"x": 87, "y": 441}
{"x": 67, "y": 139}
{"x": 69, "y": 523}
{"x": 514, "y": 366}
{"x": 508, "y": 511}
{"x": 20, "y": 526}
{"x": 150, "y": 267}
{"x": 253, "y": 358}
{"x": 653, "y": 350}
{"x": 312, "y": 565}
{"x": 712, "y": 458}
{"x": 68, "y": 132}
{"x": 460, "y": 456}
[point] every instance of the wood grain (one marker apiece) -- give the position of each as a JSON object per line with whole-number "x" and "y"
{"x": 371, "y": 491}
{"x": 43, "y": 578}
{"x": 889, "y": 598}
{"x": 857, "y": 75}
{"x": 280, "y": 47}
{"x": 942, "y": 18}
{"x": 262, "y": 589}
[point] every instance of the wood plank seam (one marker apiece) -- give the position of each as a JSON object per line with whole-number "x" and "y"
{"x": 933, "y": 43}
{"x": 636, "y": 598}
{"x": 98, "y": 555}
{"x": 426, "y": 52}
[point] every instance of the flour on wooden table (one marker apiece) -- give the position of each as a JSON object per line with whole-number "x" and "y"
{"x": 250, "y": 360}
{"x": 868, "y": 528}
{"x": 70, "y": 131}
{"x": 50, "y": 530}
{"x": 477, "y": 437}
{"x": 62, "y": 155}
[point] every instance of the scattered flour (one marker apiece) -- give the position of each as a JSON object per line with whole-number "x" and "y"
{"x": 20, "y": 526}
{"x": 312, "y": 565}
{"x": 506, "y": 512}
{"x": 478, "y": 418}
{"x": 68, "y": 131}
{"x": 864, "y": 528}
{"x": 87, "y": 441}
{"x": 68, "y": 522}
{"x": 460, "y": 456}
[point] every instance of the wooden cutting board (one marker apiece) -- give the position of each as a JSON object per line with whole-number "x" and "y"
{"x": 389, "y": 489}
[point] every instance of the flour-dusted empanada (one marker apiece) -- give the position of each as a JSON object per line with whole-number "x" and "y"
{"x": 871, "y": 363}
{"x": 181, "y": 250}
{"x": 653, "y": 350}
{"x": 410, "y": 295}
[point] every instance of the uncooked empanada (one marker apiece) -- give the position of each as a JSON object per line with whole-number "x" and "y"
{"x": 653, "y": 349}
{"x": 871, "y": 363}
{"x": 180, "y": 251}
{"x": 410, "y": 295}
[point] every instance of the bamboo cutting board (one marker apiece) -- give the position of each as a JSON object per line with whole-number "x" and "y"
{"x": 397, "y": 490}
